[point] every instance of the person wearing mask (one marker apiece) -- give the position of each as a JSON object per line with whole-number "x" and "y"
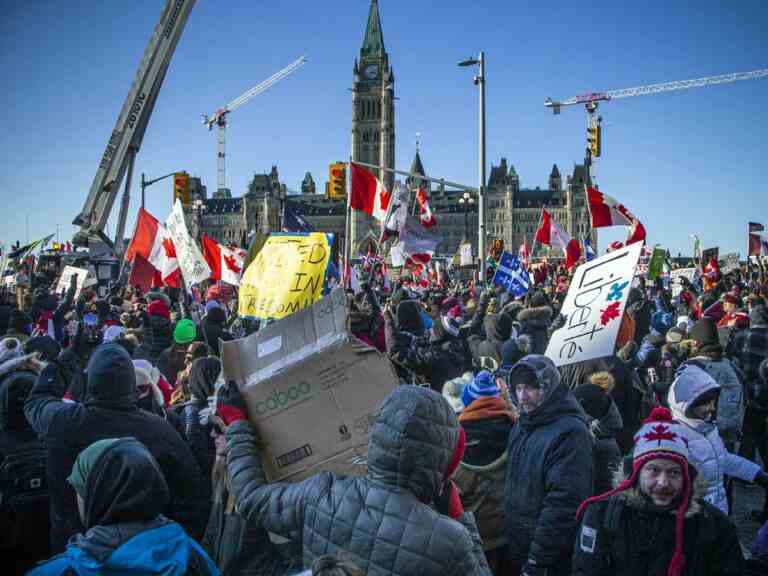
{"x": 693, "y": 399}
{"x": 656, "y": 521}
{"x": 109, "y": 409}
{"x": 549, "y": 470}
{"x": 121, "y": 495}
{"x": 391, "y": 526}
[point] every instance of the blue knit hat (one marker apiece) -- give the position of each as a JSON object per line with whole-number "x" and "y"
{"x": 482, "y": 385}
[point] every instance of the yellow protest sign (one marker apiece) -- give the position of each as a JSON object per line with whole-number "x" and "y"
{"x": 286, "y": 276}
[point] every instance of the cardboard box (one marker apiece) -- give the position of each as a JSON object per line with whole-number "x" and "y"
{"x": 312, "y": 390}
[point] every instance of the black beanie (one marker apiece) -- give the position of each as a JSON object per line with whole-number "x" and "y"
{"x": 538, "y": 299}
{"x": 705, "y": 332}
{"x": 593, "y": 399}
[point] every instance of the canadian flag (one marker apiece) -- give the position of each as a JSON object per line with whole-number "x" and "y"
{"x": 226, "y": 263}
{"x": 426, "y": 217}
{"x": 523, "y": 253}
{"x": 368, "y": 193}
{"x": 152, "y": 242}
{"x": 550, "y": 234}
{"x": 606, "y": 211}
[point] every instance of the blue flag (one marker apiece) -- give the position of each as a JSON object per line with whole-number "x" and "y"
{"x": 589, "y": 252}
{"x": 293, "y": 220}
{"x": 512, "y": 275}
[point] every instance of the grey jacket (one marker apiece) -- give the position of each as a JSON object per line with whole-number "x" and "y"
{"x": 382, "y": 522}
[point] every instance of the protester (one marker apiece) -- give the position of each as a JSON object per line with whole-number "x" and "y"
{"x": 656, "y": 521}
{"x": 171, "y": 360}
{"x": 214, "y": 328}
{"x": 415, "y": 444}
{"x": 121, "y": 495}
{"x": 109, "y": 409}
{"x": 535, "y": 320}
{"x": 549, "y": 469}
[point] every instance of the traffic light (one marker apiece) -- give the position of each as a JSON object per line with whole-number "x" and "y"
{"x": 181, "y": 187}
{"x": 337, "y": 180}
{"x": 593, "y": 139}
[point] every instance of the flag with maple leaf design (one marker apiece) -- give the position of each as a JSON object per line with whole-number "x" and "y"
{"x": 226, "y": 263}
{"x": 152, "y": 242}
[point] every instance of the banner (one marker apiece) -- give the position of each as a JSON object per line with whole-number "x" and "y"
{"x": 512, "y": 275}
{"x": 287, "y": 275}
{"x": 194, "y": 268}
{"x": 676, "y": 275}
{"x": 708, "y": 254}
{"x": 465, "y": 254}
{"x": 731, "y": 262}
{"x": 594, "y": 307}
{"x": 66, "y": 277}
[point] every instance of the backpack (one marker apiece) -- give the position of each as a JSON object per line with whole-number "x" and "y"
{"x": 23, "y": 494}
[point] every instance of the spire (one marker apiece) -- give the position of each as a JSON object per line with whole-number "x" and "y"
{"x": 555, "y": 172}
{"x": 373, "y": 44}
{"x": 416, "y": 166}
{"x": 512, "y": 171}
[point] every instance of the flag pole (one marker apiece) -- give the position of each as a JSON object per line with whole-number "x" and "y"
{"x": 533, "y": 242}
{"x": 348, "y": 227}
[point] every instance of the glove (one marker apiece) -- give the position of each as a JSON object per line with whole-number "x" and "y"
{"x": 230, "y": 404}
{"x": 531, "y": 568}
{"x": 449, "y": 502}
{"x": 762, "y": 480}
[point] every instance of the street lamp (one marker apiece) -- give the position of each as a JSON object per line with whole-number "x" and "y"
{"x": 480, "y": 83}
{"x": 147, "y": 183}
{"x": 466, "y": 201}
{"x": 198, "y": 209}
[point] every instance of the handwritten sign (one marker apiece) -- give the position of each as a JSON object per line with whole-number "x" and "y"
{"x": 676, "y": 276}
{"x": 66, "y": 278}
{"x": 594, "y": 307}
{"x": 287, "y": 275}
{"x": 193, "y": 266}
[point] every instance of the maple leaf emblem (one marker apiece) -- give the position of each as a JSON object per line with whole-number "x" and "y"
{"x": 610, "y": 313}
{"x": 231, "y": 263}
{"x": 659, "y": 433}
{"x": 170, "y": 249}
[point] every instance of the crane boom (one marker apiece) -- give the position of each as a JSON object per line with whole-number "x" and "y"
{"x": 126, "y": 138}
{"x": 593, "y": 97}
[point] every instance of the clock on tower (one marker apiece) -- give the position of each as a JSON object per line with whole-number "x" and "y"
{"x": 371, "y": 71}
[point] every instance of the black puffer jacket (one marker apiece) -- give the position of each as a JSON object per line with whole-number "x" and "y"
{"x": 109, "y": 411}
{"x": 549, "y": 473}
{"x": 214, "y": 329}
{"x": 607, "y": 456}
{"x": 535, "y": 322}
{"x": 498, "y": 328}
{"x": 383, "y": 521}
{"x": 159, "y": 336}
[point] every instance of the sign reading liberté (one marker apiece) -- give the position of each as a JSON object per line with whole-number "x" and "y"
{"x": 594, "y": 307}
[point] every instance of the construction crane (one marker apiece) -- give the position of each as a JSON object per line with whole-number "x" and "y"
{"x": 126, "y": 138}
{"x": 219, "y": 118}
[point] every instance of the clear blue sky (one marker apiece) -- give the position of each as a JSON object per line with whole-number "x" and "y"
{"x": 684, "y": 162}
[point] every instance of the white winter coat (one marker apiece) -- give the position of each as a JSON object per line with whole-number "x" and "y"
{"x": 706, "y": 449}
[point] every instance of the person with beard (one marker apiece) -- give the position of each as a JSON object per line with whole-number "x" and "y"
{"x": 121, "y": 495}
{"x": 549, "y": 470}
{"x": 655, "y": 522}
{"x": 693, "y": 399}
{"x": 109, "y": 408}
{"x": 487, "y": 420}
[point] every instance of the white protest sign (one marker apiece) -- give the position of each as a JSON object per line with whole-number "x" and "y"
{"x": 465, "y": 254}
{"x": 66, "y": 279}
{"x": 731, "y": 262}
{"x": 676, "y": 275}
{"x": 594, "y": 307}
{"x": 193, "y": 266}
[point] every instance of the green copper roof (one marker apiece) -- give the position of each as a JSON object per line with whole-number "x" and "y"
{"x": 373, "y": 44}
{"x": 512, "y": 171}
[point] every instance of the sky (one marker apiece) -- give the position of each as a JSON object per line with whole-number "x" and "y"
{"x": 683, "y": 162}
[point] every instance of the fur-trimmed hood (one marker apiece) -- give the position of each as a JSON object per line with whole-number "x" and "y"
{"x": 539, "y": 316}
{"x": 28, "y": 362}
{"x": 636, "y": 500}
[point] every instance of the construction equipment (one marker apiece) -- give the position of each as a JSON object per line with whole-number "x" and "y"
{"x": 126, "y": 138}
{"x": 219, "y": 118}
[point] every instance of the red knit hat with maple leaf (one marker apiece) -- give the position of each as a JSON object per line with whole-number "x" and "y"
{"x": 659, "y": 437}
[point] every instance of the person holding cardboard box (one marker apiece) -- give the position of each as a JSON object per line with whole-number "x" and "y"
{"x": 404, "y": 517}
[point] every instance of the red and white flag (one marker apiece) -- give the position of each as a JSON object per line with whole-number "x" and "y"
{"x": 606, "y": 211}
{"x": 426, "y": 217}
{"x": 152, "y": 242}
{"x": 226, "y": 263}
{"x": 550, "y": 234}
{"x": 368, "y": 193}
{"x": 523, "y": 253}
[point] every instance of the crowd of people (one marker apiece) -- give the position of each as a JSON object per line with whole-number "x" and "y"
{"x": 121, "y": 440}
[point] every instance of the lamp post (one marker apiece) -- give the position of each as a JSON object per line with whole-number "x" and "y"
{"x": 198, "y": 209}
{"x": 480, "y": 83}
{"x": 466, "y": 201}
{"x": 147, "y": 183}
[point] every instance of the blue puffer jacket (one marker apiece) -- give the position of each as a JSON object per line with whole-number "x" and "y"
{"x": 164, "y": 549}
{"x": 706, "y": 449}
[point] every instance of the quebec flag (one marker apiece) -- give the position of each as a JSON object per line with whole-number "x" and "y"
{"x": 589, "y": 252}
{"x": 512, "y": 275}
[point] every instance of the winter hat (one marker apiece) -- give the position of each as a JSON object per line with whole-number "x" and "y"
{"x": 535, "y": 370}
{"x": 450, "y": 325}
{"x": 705, "y": 332}
{"x": 10, "y": 348}
{"x": 156, "y": 295}
{"x": 675, "y": 335}
{"x": 185, "y": 331}
{"x": 46, "y": 347}
{"x": 452, "y": 391}
{"x": 159, "y": 308}
{"x": 408, "y": 316}
{"x": 211, "y": 304}
{"x": 84, "y": 464}
{"x": 593, "y": 399}
{"x": 537, "y": 299}
{"x": 482, "y": 385}
{"x": 659, "y": 437}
